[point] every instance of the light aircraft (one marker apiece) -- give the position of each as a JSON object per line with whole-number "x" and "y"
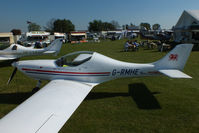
{"x": 71, "y": 78}
{"x": 16, "y": 51}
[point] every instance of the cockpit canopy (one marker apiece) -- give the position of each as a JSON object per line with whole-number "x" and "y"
{"x": 14, "y": 47}
{"x": 74, "y": 59}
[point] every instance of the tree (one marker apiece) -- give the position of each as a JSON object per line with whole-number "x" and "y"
{"x": 124, "y": 27}
{"x": 98, "y": 25}
{"x": 33, "y": 27}
{"x": 127, "y": 26}
{"x": 132, "y": 25}
{"x": 156, "y": 26}
{"x": 16, "y": 32}
{"x": 95, "y": 26}
{"x": 63, "y": 26}
{"x": 115, "y": 24}
{"x": 50, "y": 25}
{"x": 146, "y": 25}
{"x": 108, "y": 26}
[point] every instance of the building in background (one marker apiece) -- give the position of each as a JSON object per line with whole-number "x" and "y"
{"x": 60, "y": 35}
{"x": 7, "y": 37}
{"x": 77, "y": 37}
{"x": 41, "y": 38}
{"x": 186, "y": 29}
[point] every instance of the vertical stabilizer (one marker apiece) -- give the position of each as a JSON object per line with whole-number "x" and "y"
{"x": 176, "y": 58}
{"x": 172, "y": 64}
{"x": 55, "y": 46}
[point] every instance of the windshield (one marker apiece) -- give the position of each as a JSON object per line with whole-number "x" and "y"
{"x": 74, "y": 59}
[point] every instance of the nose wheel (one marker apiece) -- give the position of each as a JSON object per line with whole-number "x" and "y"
{"x": 37, "y": 87}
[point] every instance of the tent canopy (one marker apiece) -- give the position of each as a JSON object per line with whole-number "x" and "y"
{"x": 188, "y": 19}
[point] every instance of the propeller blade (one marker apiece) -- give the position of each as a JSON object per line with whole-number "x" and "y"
{"x": 13, "y": 74}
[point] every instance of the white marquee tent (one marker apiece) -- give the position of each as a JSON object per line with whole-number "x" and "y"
{"x": 187, "y": 27}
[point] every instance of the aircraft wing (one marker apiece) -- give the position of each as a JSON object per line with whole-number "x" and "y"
{"x": 48, "y": 109}
{"x": 7, "y": 58}
{"x": 174, "y": 73}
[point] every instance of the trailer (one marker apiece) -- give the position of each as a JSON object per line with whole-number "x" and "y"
{"x": 39, "y": 38}
{"x": 77, "y": 37}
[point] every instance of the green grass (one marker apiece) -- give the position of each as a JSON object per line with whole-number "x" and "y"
{"x": 4, "y": 46}
{"x": 129, "y": 105}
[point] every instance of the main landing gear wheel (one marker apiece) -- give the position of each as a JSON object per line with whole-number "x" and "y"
{"x": 34, "y": 90}
{"x": 37, "y": 87}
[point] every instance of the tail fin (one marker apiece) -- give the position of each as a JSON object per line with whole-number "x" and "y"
{"x": 174, "y": 61}
{"x": 55, "y": 46}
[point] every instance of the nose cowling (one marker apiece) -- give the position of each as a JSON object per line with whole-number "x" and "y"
{"x": 20, "y": 64}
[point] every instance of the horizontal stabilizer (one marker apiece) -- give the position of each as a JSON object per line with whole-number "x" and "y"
{"x": 174, "y": 73}
{"x": 49, "y": 52}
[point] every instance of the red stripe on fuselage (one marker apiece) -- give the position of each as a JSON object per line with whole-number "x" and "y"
{"x": 37, "y": 70}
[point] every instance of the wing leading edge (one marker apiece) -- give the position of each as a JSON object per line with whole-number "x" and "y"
{"x": 7, "y": 58}
{"x": 47, "y": 110}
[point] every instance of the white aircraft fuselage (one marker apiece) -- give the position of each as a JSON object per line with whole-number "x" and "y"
{"x": 16, "y": 51}
{"x": 20, "y": 51}
{"x": 92, "y": 67}
{"x": 97, "y": 70}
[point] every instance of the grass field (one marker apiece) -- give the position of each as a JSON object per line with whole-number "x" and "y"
{"x": 130, "y": 105}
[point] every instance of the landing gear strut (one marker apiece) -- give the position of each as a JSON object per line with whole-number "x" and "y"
{"x": 37, "y": 86}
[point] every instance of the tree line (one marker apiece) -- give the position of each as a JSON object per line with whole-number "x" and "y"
{"x": 66, "y": 26}
{"x": 53, "y": 25}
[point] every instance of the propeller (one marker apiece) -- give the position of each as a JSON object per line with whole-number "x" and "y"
{"x": 13, "y": 74}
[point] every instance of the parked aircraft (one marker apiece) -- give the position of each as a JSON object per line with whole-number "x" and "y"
{"x": 161, "y": 36}
{"x": 16, "y": 51}
{"x": 72, "y": 78}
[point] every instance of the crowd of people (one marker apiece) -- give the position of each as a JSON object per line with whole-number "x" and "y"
{"x": 131, "y": 46}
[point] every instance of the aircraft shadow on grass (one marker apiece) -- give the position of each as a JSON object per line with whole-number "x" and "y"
{"x": 143, "y": 97}
{"x": 139, "y": 92}
{"x": 6, "y": 63}
{"x": 14, "y": 98}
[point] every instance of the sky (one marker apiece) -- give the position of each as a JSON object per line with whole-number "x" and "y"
{"x": 15, "y": 13}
